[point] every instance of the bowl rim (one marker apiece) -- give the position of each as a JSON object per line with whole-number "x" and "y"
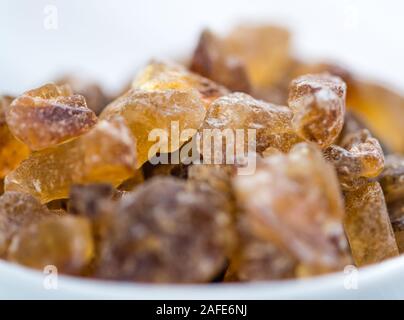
{"x": 369, "y": 277}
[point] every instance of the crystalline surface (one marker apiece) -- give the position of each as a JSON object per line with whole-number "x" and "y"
{"x": 16, "y": 211}
{"x": 392, "y": 178}
{"x": 238, "y": 111}
{"x": 145, "y": 111}
{"x": 95, "y": 97}
{"x": 396, "y": 213}
{"x": 49, "y": 115}
{"x": 380, "y": 107}
{"x": 217, "y": 177}
{"x": 263, "y": 49}
{"x": 318, "y": 102}
{"x": 168, "y": 230}
{"x": 251, "y": 59}
{"x": 64, "y": 242}
{"x": 382, "y": 111}
{"x": 392, "y": 182}
{"x": 368, "y": 226}
{"x": 212, "y": 61}
{"x": 257, "y": 258}
{"x": 169, "y": 76}
{"x": 293, "y": 201}
{"x": 12, "y": 151}
{"x": 87, "y": 199}
{"x": 105, "y": 154}
{"x": 359, "y": 157}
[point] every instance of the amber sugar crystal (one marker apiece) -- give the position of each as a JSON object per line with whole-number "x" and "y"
{"x": 258, "y": 259}
{"x": 104, "y": 154}
{"x": 168, "y": 230}
{"x": 318, "y": 102}
{"x": 392, "y": 182}
{"x": 358, "y": 158}
{"x": 12, "y": 151}
{"x": 63, "y": 242}
{"x": 49, "y": 115}
{"x": 158, "y": 75}
{"x": 271, "y": 125}
{"x": 368, "y": 226}
{"x": 18, "y": 210}
{"x": 382, "y": 110}
{"x": 95, "y": 97}
{"x": 294, "y": 202}
{"x": 145, "y": 111}
{"x": 212, "y": 60}
{"x": 253, "y": 59}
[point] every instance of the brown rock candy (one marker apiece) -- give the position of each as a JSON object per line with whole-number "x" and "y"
{"x": 158, "y": 76}
{"x": 359, "y": 158}
{"x": 379, "y": 107}
{"x": 95, "y": 97}
{"x": 104, "y": 154}
{"x": 212, "y": 61}
{"x": 167, "y": 230}
{"x": 49, "y": 115}
{"x": 64, "y": 242}
{"x": 270, "y": 123}
{"x": 396, "y": 213}
{"x": 293, "y": 202}
{"x": 87, "y": 200}
{"x": 392, "y": 178}
{"x": 18, "y": 210}
{"x": 258, "y": 259}
{"x": 263, "y": 49}
{"x": 318, "y": 102}
{"x": 392, "y": 182}
{"x": 144, "y": 111}
{"x": 12, "y": 151}
{"x": 368, "y": 226}
{"x": 382, "y": 110}
{"x": 96, "y": 202}
{"x": 217, "y": 177}
{"x": 251, "y": 59}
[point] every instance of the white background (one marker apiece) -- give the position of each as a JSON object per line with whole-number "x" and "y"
{"x": 110, "y": 39}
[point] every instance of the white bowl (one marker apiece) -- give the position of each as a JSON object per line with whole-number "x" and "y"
{"x": 379, "y": 281}
{"x": 106, "y": 41}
